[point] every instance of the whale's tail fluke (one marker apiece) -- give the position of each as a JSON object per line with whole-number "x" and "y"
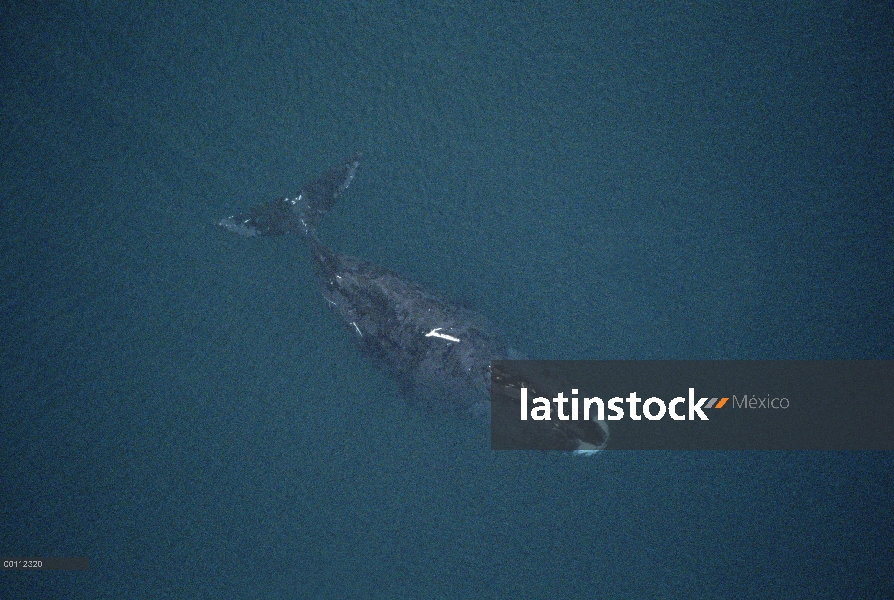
{"x": 301, "y": 214}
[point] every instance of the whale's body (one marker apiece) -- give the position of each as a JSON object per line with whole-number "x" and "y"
{"x": 439, "y": 353}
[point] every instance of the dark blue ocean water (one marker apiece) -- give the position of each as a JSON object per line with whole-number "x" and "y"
{"x": 668, "y": 181}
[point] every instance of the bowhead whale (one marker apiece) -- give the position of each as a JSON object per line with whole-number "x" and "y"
{"x": 439, "y": 353}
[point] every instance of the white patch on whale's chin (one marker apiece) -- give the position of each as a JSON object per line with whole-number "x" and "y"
{"x": 587, "y": 450}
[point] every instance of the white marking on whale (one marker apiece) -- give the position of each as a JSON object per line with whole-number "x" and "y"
{"x": 443, "y": 336}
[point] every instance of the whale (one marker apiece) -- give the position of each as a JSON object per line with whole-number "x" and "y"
{"x": 439, "y": 353}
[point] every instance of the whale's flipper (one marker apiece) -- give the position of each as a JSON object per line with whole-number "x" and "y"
{"x": 301, "y": 214}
